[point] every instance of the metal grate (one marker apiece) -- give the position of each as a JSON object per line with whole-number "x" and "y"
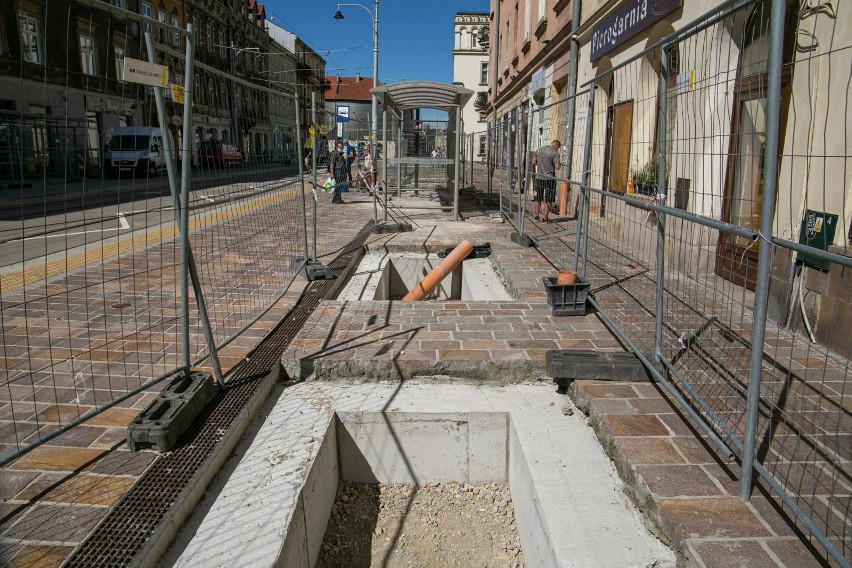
{"x": 125, "y": 530}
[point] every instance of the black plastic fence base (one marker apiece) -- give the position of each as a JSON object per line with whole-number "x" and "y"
{"x": 579, "y": 364}
{"x": 174, "y": 410}
{"x": 392, "y": 228}
{"x": 567, "y": 299}
{"x": 523, "y": 240}
{"x": 315, "y": 270}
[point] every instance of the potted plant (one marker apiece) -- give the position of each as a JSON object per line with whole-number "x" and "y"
{"x": 645, "y": 178}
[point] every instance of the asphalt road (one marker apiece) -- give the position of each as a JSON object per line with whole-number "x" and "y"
{"x": 81, "y": 215}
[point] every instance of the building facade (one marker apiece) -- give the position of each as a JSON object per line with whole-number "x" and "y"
{"x": 350, "y": 97}
{"x": 310, "y": 71}
{"x": 470, "y": 64}
{"x": 715, "y": 125}
{"x": 62, "y": 89}
{"x": 282, "y": 105}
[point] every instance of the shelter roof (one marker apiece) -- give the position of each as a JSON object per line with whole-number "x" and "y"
{"x": 423, "y": 94}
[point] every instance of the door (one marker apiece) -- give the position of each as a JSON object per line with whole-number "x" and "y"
{"x": 622, "y": 130}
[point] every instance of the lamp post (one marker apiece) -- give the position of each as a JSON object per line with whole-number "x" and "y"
{"x": 375, "y": 103}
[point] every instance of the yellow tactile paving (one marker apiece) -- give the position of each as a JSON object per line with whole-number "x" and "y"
{"x": 46, "y": 270}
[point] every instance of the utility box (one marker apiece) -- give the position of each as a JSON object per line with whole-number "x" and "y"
{"x": 817, "y": 231}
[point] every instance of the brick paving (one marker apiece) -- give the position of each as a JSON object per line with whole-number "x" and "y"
{"x": 53, "y": 496}
{"x": 688, "y": 493}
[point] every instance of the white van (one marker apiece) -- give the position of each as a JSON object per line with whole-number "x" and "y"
{"x": 135, "y": 150}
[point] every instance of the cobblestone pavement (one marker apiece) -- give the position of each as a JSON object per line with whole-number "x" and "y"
{"x": 54, "y": 496}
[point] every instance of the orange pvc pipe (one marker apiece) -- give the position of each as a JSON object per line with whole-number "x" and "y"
{"x": 431, "y": 280}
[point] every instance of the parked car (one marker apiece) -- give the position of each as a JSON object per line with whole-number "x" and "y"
{"x": 219, "y": 154}
{"x": 135, "y": 150}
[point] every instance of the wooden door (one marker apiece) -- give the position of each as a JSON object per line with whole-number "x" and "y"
{"x": 622, "y": 130}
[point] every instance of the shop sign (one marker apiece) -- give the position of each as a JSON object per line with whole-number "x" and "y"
{"x": 137, "y": 71}
{"x": 628, "y": 20}
{"x": 105, "y": 104}
{"x": 685, "y": 82}
{"x": 537, "y": 83}
{"x": 178, "y": 94}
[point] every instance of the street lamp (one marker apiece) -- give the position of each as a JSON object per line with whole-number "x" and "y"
{"x": 375, "y": 17}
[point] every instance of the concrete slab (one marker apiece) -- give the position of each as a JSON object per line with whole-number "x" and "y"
{"x": 271, "y": 506}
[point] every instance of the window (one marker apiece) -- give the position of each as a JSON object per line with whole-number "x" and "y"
{"x": 31, "y": 40}
{"x": 148, "y": 12}
{"x": 87, "y": 54}
{"x": 196, "y": 28}
{"x": 541, "y": 10}
{"x": 526, "y": 23}
{"x": 209, "y": 37}
{"x": 482, "y": 145}
{"x": 483, "y": 73}
{"x": 175, "y": 32}
{"x": 119, "y": 62}
{"x": 163, "y": 22}
{"x": 118, "y": 3}
{"x": 222, "y": 43}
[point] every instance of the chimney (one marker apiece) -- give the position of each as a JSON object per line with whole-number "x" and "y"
{"x": 357, "y": 77}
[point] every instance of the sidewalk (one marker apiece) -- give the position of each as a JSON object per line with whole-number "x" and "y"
{"x": 55, "y": 496}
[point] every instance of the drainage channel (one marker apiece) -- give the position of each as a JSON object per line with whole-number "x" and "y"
{"x": 138, "y": 518}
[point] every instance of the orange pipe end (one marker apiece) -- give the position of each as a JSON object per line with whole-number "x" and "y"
{"x": 431, "y": 280}
{"x": 563, "y": 198}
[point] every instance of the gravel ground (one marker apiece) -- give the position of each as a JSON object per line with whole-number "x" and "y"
{"x": 433, "y": 525}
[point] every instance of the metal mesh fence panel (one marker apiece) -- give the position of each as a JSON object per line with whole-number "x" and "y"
{"x": 91, "y": 262}
{"x": 675, "y": 169}
{"x": 246, "y": 197}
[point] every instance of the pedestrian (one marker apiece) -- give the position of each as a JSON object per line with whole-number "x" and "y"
{"x": 308, "y": 160}
{"x": 336, "y": 169}
{"x": 349, "y": 158}
{"x": 546, "y": 161}
{"x": 368, "y": 173}
{"x": 435, "y": 153}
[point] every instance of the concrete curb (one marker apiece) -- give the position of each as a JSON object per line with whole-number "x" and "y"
{"x": 633, "y": 483}
{"x": 489, "y": 372}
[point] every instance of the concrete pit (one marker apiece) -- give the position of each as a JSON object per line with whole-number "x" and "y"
{"x": 271, "y": 506}
{"x": 389, "y": 276}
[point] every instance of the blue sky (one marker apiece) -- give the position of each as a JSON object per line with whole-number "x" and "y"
{"x": 415, "y": 36}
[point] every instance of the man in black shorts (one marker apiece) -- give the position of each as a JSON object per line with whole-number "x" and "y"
{"x": 547, "y": 160}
